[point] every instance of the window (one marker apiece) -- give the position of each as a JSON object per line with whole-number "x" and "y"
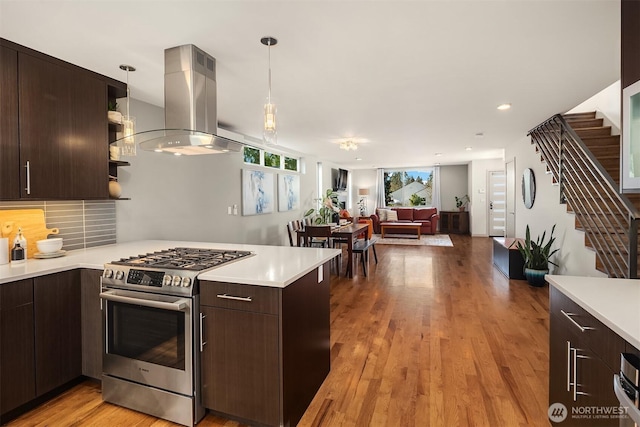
{"x": 408, "y": 187}
{"x": 256, "y": 156}
{"x": 290, "y": 164}
{"x": 251, "y": 155}
{"x": 272, "y": 160}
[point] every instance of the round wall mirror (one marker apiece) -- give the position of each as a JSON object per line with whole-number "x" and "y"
{"x": 528, "y": 188}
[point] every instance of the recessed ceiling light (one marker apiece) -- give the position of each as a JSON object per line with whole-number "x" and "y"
{"x": 177, "y": 154}
{"x": 437, "y": 164}
{"x": 438, "y": 154}
{"x": 358, "y": 158}
{"x": 479, "y": 135}
{"x": 468, "y": 148}
{"x": 504, "y": 106}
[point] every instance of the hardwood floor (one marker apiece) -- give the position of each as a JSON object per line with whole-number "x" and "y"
{"x": 435, "y": 336}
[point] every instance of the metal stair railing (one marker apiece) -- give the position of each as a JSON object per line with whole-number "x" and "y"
{"x": 609, "y": 219}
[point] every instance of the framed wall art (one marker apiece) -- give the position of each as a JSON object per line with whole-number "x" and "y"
{"x": 257, "y": 192}
{"x": 288, "y": 192}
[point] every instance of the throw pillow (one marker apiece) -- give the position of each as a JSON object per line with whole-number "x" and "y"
{"x": 392, "y": 216}
{"x": 382, "y": 215}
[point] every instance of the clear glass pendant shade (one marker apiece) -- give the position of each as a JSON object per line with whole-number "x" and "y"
{"x": 128, "y": 146}
{"x": 270, "y": 134}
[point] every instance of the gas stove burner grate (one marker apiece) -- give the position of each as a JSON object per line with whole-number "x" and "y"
{"x": 193, "y": 259}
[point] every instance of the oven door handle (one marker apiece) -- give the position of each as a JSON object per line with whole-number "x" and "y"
{"x": 632, "y": 410}
{"x": 173, "y": 306}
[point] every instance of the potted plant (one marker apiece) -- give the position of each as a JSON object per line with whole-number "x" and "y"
{"x": 536, "y": 256}
{"x": 462, "y": 202}
{"x": 328, "y": 209}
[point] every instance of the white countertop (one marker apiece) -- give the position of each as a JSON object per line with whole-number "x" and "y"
{"x": 275, "y": 266}
{"x": 614, "y": 302}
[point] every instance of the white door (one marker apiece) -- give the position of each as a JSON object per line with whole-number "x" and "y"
{"x": 510, "y": 168}
{"x": 497, "y": 203}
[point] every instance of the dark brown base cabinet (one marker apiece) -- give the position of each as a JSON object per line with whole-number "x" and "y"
{"x": 456, "y": 222}
{"x": 265, "y": 359}
{"x": 581, "y": 363}
{"x": 40, "y": 341}
{"x": 17, "y": 374}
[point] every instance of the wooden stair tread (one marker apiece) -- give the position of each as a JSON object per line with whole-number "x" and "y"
{"x": 578, "y": 116}
{"x": 585, "y": 123}
{"x": 601, "y": 141}
{"x": 594, "y": 131}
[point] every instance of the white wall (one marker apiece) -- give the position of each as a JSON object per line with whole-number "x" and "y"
{"x": 363, "y": 178}
{"x": 573, "y": 258}
{"x": 478, "y": 185}
{"x": 454, "y": 181}
{"x": 606, "y": 103}
{"x": 186, "y": 198}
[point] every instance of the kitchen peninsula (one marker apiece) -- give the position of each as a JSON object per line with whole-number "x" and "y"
{"x": 593, "y": 321}
{"x": 262, "y": 364}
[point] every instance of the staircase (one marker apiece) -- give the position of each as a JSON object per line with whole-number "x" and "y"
{"x": 584, "y": 159}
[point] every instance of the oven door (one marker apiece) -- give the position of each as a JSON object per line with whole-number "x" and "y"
{"x": 148, "y": 339}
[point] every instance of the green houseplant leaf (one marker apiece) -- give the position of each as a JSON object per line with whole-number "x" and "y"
{"x": 536, "y": 254}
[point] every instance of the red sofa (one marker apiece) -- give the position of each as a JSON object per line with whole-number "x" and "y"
{"x": 426, "y": 217}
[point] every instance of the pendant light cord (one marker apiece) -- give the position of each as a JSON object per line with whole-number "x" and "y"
{"x": 269, "y": 71}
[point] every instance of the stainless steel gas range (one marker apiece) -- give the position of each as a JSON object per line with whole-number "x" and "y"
{"x": 152, "y": 331}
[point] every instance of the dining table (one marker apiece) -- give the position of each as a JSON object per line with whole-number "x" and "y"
{"x": 348, "y": 233}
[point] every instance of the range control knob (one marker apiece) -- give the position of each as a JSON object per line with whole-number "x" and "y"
{"x": 185, "y": 282}
{"x": 166, "y": 280}
{"x": 107, "y": 273}
{"x": 119, "y": 275}
{"x": 175, "y": 281}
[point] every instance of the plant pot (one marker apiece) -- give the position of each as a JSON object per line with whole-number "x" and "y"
{"x": 535, "y": 277}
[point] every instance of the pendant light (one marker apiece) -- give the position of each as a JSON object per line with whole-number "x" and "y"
{"x": 269, "y": 133}
{"x": 128, "y": 147}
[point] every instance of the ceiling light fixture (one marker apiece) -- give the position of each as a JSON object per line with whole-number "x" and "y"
{"x": 438, "y": 154}
{"x": 349, "y": 144}
{"x": 503, "y": 107}
{"x": 128, "y": 122}
{"x": 468, "y": 148}
{"x": 269, "y": 134}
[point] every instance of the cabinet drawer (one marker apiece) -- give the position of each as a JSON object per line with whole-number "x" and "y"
{"x": 16, "y": 294}
{"x": 597, "y": 336}
{"x": 259, "y": 299}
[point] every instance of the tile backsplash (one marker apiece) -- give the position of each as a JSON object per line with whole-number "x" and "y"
{"x": 82, "y": 223}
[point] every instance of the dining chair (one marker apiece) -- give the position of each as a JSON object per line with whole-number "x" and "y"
{"x": 318, "y": 235}
{"x": 292, "y": 228}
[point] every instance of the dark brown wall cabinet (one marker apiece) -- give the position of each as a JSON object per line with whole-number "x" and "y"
{"x": 9, "y": 148}
{"x": 266, "y": 356}
{"x": 583, "y": 356}
{"x": 54, "y": 131}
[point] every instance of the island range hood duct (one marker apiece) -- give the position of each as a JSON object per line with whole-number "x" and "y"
{"x": 190, "y": 113}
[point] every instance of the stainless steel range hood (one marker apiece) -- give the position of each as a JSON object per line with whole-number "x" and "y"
{"x": 190, "y": 111}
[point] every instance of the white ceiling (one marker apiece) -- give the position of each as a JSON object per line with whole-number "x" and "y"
{"x": 414, "y": 78}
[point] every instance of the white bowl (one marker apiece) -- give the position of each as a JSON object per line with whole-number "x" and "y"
{"x": 48, "y": 246}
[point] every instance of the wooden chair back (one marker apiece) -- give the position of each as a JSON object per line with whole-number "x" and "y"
{"x": 315, "y": 232}
{"x": 292, "y": 227}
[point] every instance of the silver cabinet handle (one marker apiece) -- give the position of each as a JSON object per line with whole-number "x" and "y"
{"x": 577, "y": 356}
{"x": 202, "y": 341}
{"x": 28, "y": 166}
{"x": 579, "y": 326}
{"x": 569, "y": 350}
{"x": 235, "y": 298}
